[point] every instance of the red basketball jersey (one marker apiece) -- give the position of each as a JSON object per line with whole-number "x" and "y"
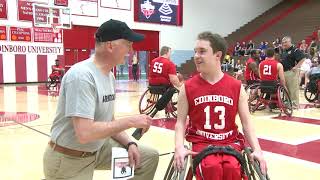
{"x": 160, "y": 68}
{"x": 212, "y": 110}
{"x": 268, "y": 70}
{"x": 249, "y": 74}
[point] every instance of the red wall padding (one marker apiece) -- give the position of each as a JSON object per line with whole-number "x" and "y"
{"x": 82, "y": 37}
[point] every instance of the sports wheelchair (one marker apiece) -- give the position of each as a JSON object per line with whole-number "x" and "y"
{"x": 53, "y": 80}
{"x": 312, "y": 90}
{"x": 269, "y": 93}
{"x": 250, "y": 170}
{"x": 150, "y": 97}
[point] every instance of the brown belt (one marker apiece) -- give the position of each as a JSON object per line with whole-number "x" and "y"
{"x": 70, "y": 152}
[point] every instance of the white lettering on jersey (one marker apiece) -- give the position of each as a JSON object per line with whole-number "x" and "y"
{"x": 213, "y": 98}
{"x": 214, "y": 136}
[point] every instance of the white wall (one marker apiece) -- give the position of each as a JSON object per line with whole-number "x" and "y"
{"x": 220, "y": 16}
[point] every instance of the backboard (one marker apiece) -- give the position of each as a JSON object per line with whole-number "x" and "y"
{"x": 56, "y": 17}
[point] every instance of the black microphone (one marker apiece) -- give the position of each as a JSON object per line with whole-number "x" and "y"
{"x": 160, "y": 105}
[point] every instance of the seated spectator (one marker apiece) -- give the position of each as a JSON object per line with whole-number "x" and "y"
{"x": 304, "y": 46}
{"x": 237, "y": 49}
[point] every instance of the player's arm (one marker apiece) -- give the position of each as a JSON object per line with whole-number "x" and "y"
{"x": 254, "y": 67}
{"x": 174, "y": 80}
{"x": 249, "y": 131}
{"x": 182, "y": 111}
{"x": 247, "y": 125}
{"x": 180, "y": 151}
{"x": 281, "y": 75}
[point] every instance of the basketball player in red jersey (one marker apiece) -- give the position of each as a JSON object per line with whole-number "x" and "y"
{"x": 212, "y": 100}
{"x": 270, "y": 69}
{"x": 163, "y": 71}
{"x": 251, "y": 73}
{"x": 57, "y": 71}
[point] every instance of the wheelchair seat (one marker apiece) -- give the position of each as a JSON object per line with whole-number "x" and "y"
{"x": 158, "y": 89}
{"x": 269, "y": 87}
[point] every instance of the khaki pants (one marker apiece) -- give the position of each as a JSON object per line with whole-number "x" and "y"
{"x": 292, "y": 83}
{"x": 61, "y": 166}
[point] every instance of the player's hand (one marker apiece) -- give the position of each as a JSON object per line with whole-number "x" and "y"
{"x": 179, "y": 155}
{"x": 134, "y": 156}
{"x": 141, "y": 121}
{"x": 259, "y": 156}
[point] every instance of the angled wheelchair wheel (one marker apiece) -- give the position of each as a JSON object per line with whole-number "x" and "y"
{"x": 309, "y": 95}
{"x": 253, "y": 97}
{"x": 253, "y": 170}
{"x": 284, "y": 101}
{"x": 172, "y": 174}
{"x": 51, "y": 83}
{"x": 147, "y": 102}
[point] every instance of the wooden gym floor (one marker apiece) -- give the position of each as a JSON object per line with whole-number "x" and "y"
{"x": 291, "y": 145}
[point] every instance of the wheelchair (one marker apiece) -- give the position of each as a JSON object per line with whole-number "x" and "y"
{"x": 53, "y": 81}
{"x": 272, "y": 94}
{"x": 150, "y": 97}
{"x": 312, "y": 89}
{"x": 250, "y": 170}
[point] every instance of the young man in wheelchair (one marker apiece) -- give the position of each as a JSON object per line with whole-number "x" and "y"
{"x": 313, "y": 80}
{"x": 57, "y": 72}
{"x": 163, "y": 71}
{"x": 270, "y": 71}
{"x": 212, "y": 100}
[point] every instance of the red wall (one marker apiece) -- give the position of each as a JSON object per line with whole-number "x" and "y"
{"x": 83, "y": 37}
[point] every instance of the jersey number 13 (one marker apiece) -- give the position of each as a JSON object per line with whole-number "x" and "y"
{"x": 217, "y": 109}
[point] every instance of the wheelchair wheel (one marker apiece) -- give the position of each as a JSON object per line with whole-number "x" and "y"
{"x": 285, "y": 101}
{"x": 310, "y": 96}
{"x": 173, "y": 104}
{"x": 147, "y": 102}
{"x": 172, "y": 174}
{"x": 51, "y": 83}
{"x": 253, "y": 97}
{"x": 253, "y": 169}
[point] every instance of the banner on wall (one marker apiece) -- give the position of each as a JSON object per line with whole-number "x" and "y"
{"x": 61, "y": 2}
{"x": 7, "y": 47}
{"x": 3, "y": 9}
{"x": 47, "y": 35}
{"x": 25, "y": 9}
{"x": 116, "y": 4}
{"x": 84, "y": 7}
{"x": 3, "y": 33}
{"x": 20, "y": 34}
{"x": 158, "y": 11}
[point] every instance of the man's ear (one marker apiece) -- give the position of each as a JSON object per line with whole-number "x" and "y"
{"x": 219, "y": 55}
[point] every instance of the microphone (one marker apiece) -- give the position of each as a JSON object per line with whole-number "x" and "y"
{"x": 160, "y": 105}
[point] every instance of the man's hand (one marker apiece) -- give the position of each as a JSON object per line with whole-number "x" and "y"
{"x": 141, "y": 121}
{"x": 259, "y": 156}
{"x": 179, "y": 155}
{"x": 134, "y": 156}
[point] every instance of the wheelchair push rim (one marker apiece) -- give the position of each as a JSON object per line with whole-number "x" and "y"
{"x": 285, "y": 101}
{"x": 147, "y": 102}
